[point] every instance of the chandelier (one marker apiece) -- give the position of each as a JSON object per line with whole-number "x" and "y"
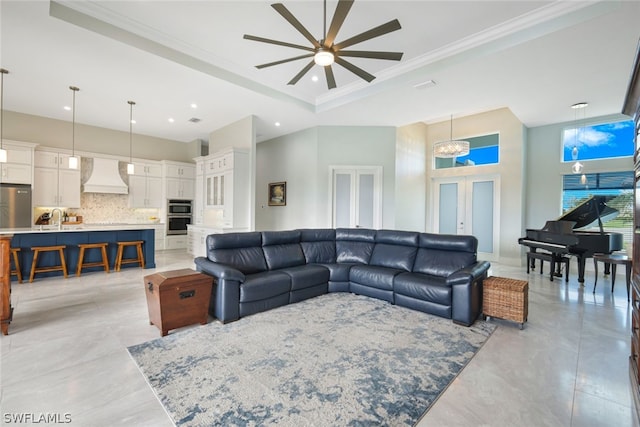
{"x": 451, "y": 148}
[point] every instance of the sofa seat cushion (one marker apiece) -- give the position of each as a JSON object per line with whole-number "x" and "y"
{"x": 373, "y": 276}
{"x": 306, "y": 276}
{"x": 264, "y": 285}
{"x": 338, "y": 272}
{"x": 423, "y": 287}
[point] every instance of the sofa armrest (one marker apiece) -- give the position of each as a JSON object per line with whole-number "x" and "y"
{"x": 469, "y": 274}
{"x": 225, "y": 295}
{"x": 466, "y": 285}
{"x": 218, "y": 270}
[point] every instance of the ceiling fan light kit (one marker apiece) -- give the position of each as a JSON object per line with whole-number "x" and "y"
{"x": 324, "y": 52}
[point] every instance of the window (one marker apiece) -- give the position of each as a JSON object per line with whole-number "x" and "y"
{"x": 483, "y": 150}
{"x": 598, "y": 141}
{"x": 617, "y": 185}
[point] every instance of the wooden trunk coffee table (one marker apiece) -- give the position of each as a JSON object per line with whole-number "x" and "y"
{"x": 178, "y": 298}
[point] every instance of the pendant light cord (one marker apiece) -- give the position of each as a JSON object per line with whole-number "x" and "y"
{"x": 73, "y": 118}
{"x": 131, "y": 104}
{"x": 2, "y": 73}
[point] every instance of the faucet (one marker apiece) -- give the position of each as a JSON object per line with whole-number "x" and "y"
{"x": 59, "y": 217}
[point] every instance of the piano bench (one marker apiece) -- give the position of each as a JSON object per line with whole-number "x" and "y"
{"x": 552, "y": 260}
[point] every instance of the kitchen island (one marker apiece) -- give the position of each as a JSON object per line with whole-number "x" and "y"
{"x": 71, "y": 236}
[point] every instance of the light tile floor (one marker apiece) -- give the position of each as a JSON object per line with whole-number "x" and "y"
{"x": 66, "y": 355}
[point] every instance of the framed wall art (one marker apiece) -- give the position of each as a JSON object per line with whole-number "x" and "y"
{"x": 277, "y": 194}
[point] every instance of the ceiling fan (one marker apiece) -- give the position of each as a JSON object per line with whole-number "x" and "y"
{"x": 325, "y": 52}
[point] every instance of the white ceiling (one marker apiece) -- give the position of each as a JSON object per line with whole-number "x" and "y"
{"x": 534, "y": 57}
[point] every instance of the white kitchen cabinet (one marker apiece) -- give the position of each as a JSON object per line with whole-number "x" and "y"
{"x": 179, "y": 180}
{"x": 176, "y": 242}
{"x": 15, "y": 173}
{"x": 147, "y": 169}
{"x": 54, "y": 184}
{"x": 198, "y": 196}
{"x": 160, "y": 234}
{"x": 178, "y": 188}
{"x": 179, "y": 170}
{"x": 51, "y": 159}
{"x": 227, "y": 189}
{"x": 145, "y": 191}
{"x": 19, "y": 166}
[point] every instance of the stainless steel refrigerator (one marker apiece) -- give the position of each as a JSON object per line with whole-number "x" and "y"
{"x": 15, "y": 205}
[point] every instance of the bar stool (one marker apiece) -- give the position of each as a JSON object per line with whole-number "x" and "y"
{"x": 119, "y": 258}
{"x": 16, "y": 264}
{"x": 85, "y": 246}
{"x": 59, "y": 267}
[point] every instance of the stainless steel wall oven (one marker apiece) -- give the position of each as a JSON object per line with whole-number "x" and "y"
{"x": 178, "y": 216}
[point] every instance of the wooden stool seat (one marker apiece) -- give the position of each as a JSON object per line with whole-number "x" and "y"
{"x": 85, "y": 246}
{"x": 60, "y": 267}
{"x": 16, "y": 264}
{"x": 119, "y": 257}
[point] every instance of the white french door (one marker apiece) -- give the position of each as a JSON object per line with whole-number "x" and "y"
{"x": 356, "y": 196}
{"x": 469, "y": 205}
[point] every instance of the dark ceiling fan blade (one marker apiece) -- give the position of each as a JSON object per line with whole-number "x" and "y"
{"x": 302, "y": 72}
{"x": 370, "y": 34}
{"x": 331, "y": 80}
{"x": 355, "y": 70}
{"x": 391, "y": 56}
{"x": 282, "y": 61}
{"x": 282, "y": 10}
{"x": 279, "y": 43}
{"x": 338, "y": 19}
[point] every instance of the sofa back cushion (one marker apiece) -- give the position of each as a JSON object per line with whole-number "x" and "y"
{"x": 354, "y": 245}
{"x": 242, "y": 251}
{"x": 282, "y": 249}
{"x": 395, "y": 249}
{"x": 443, "y": 254}
{"x": 319, "y": 245}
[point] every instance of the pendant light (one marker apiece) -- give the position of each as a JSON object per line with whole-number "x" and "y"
{"x": 451, "y": 148}
{"x": 73, "y": 160}
{"x": 130, "y": 167}
{"x": 577, "y": 167}
{"x": 3, "y": 152}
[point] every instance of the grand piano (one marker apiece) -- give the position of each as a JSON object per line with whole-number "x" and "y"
{"x": 563, "y": 236}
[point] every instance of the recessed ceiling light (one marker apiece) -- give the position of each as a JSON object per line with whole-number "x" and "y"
{"x": 424, "y": 85}
{"x": 314, "y": 78}
{"x": 580, "y": 105}
{"x": 66, "y": 107}
{"x": 277, "y": 124}
{"x": 194, "y": 106}
{"x": 171, "y": 120}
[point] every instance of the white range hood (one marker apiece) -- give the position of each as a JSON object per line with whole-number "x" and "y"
{"x": 105, "y": 178}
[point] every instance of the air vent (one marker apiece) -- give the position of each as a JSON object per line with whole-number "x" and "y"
{"x": 195, "y": 120}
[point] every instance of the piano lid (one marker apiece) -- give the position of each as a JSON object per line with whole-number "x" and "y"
{"x": 586, "y": 214}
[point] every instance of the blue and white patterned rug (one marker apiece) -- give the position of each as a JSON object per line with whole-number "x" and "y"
{"x": 334, "y": 360}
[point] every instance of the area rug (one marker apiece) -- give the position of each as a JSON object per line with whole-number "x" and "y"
{"x": 334, "y": 360}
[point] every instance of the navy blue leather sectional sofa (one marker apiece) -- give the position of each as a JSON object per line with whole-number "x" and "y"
{"x": 258, "y": 271}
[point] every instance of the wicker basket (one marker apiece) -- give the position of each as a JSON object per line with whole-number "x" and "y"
{"x": 506, "y": 299}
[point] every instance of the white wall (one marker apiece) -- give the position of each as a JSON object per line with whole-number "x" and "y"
{"x": 302, "y": 160}
{"x": 411, "y": 183}
{"x": 57, "y": 134}
{"x": 545, "y": 170}
{"x": 240, "y": 134}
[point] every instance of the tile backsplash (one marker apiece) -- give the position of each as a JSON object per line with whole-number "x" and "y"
{"x": 105, "y": 208}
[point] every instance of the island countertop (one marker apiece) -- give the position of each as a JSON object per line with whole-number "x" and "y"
{"x": 81, "y": 227}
